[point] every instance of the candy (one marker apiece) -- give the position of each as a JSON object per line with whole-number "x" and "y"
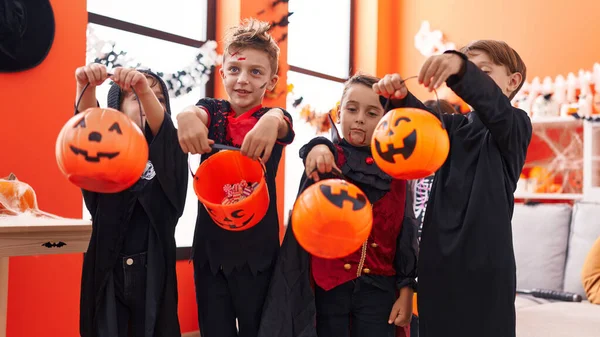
{"x": 237, "y": 192}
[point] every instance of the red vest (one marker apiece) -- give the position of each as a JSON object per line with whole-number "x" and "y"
{"x": 377, "y": 254}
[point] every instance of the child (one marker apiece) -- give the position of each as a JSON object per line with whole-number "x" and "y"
{"x": 232, "y": 270}
{"x": 129, "y": 285}
{"x": 467, "y": 273}
{"x": 356, "y": 295}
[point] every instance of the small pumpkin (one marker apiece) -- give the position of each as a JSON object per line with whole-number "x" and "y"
{"x": 101, "y": 150}
{"x": 16, "y": 196}
{"x": 332, "y": 218}
{"x": 410, "y": 143}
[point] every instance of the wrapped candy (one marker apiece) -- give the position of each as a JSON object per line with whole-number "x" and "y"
{"x": 237, "y": 192}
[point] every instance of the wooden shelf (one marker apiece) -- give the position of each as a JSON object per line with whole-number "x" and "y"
{"x": 555, "y": 120}
{"x": 549, "y": 196}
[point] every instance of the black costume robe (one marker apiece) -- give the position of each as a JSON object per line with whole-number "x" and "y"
{"x": 163, "y": 200}
{"x": 467, "y": 273}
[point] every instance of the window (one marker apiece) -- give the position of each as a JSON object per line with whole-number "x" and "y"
{"x": 164, "y": 37}
{"x": 318, "y": 69}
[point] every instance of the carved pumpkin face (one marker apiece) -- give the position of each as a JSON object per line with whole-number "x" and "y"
{"x": 332, "y": 218}
{"x": 409, "y": 143}
{"x": 101, "y": 150}
{"x": 227, "y": 167}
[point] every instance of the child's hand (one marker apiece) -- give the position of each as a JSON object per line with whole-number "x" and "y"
{"x": 402, "y": 310}
{"x": 391, "y": 86}
{"x": 130, "y": 78}
{"x": 320, "y": 158}
{"x": 94, "y": 74}
{"x": 262, "y": 137}
{"x": 438, "y": 68}
{"x": 192, "y": 132}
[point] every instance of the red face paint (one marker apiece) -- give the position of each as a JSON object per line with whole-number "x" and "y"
{"x": 241, "y": 59}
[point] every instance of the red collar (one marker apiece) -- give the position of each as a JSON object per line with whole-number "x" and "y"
{"x": 245, "y": 114}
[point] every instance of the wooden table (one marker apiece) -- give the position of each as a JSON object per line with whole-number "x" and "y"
{"x": 26, "y": 235}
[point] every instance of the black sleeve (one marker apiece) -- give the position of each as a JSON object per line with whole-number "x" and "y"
{"x": 210, "y": 106}
{"x": 305, "y": 150}
{"x": 289, "y": 137}
{"x": 170, "y": 164}
{"x": 410, "y": 101}
{"x": 510, "y": 127}
{"x": 407, "y": 245}
{"x": 91, "y": 201}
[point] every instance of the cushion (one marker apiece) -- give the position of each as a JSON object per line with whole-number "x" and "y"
{"x": 540, "y": 237}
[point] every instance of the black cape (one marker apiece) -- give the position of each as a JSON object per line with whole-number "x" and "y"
{"x": 289, "y": 309}
{"x": 163, "y": 200}
{"x": 467, "y": 274}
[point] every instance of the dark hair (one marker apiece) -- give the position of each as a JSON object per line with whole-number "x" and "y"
{"x": 366, "y": 80}
{"x": 254, "y": 34}
{"x": 501, "y": 54}
{"x": 445, "y": 106}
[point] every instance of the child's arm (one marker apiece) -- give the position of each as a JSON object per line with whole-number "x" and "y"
{"x": 405, "y": 262}
{"x": 130, "y": 78}
{"x": 510, "y": 127}
{"x": 319, "y": 154}
{"x": 393, "y": 86}
{"x": 193, "y": 124}
{"x": 275, "y": 126}
{"x": 407, "y": 245}
{"x": 94, "y": 74}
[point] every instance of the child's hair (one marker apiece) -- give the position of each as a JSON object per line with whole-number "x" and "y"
{"x": 366, "y": 80}
{"x": 253, "y": 34}
{"x": 501, "y": 54}
{"x": 445, "y": 106}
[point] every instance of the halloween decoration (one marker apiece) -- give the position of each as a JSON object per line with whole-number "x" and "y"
{"x": 18, "y": 197}
{"x": 101, "y": 150}
{"x": 179, "y": 83}
{"x": 225, "y": 168}
{"x": 410, "y": 143}
{"x": 332, "y": 218}
{"x": 27, "y": 34}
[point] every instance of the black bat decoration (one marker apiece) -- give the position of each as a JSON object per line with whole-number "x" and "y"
{"x": 283, "y": 22}
{"x": 53, "y": 244}
{"x": 297, "y": 102}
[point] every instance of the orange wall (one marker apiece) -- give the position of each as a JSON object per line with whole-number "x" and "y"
{"x": 43, "y": 296}
{"x": 553, "y": 37}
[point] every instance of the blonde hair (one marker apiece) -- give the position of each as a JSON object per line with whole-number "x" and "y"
{"x": 253, "y": 34}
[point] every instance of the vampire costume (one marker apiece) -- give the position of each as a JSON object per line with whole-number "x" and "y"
{"x": 467, "y": 273}
{"x": 386, "y": 262}
{"x": 129, "y": 285}
{"x": 232, "y": 270}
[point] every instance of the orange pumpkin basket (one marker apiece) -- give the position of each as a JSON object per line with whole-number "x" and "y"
{"x": 331, "y": 218}
{"x": 231, "y": 167}
{"x": 101, "y": 149}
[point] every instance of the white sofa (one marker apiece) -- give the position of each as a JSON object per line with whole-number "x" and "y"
{"x": 551, "y": 242}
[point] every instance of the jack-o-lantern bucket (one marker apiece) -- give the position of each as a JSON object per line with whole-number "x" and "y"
{"x": 332, "y": 218}
{"x": 410, "y": 143}
{"x": 101, "y": 150}
{"x": 226, "y": 168}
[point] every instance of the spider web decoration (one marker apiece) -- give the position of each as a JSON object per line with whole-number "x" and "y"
{"x": 180, "y": 82}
